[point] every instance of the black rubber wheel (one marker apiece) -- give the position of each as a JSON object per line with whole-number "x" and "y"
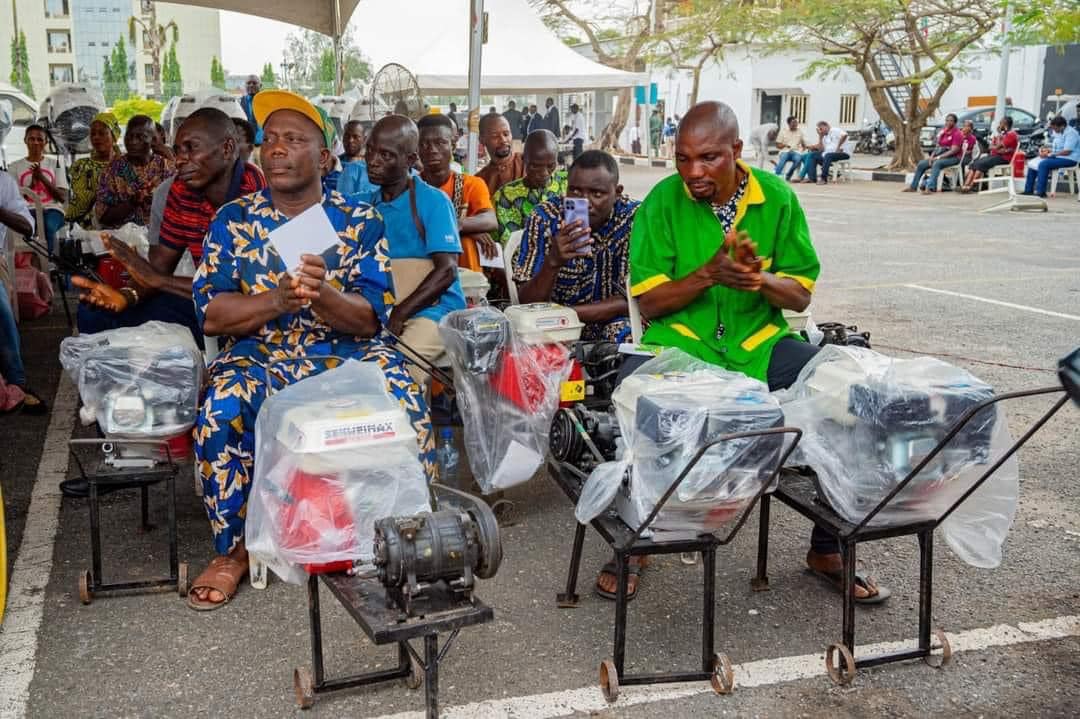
{"x": 85, "y": 595}
{"x": 182, "y": 580}
{"x": 304, "y": 686}
{"x": 939, "y": 660}
{"x": 843, "y": 674}
{"x": 609, "y": 681}
{"x": 723, "y": 676}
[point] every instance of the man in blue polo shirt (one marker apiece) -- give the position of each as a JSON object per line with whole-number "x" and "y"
{"x": 421, "y": 231}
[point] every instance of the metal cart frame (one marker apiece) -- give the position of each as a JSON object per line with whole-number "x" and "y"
{"x": 801, "y": 492}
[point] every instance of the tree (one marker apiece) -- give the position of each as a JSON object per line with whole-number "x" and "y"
{"x": 217, "y": 74}
{"x": 326, "y": 81}
{"x": 1055, "y": 22}
{"x": 117, "y": 74}
{"x": 268, "y": 78}
{"x": 154, "y": 39}
{"x": 172, "y": 81}
{"x": 905, "y": 51}
{"x": 128, "y": 108}
{"x": 20, "y": 64}
{"x": 307, "y": 50}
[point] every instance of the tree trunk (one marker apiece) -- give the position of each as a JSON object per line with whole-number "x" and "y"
{"x": 609, "y": 136}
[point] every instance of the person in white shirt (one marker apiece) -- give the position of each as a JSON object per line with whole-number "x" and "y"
{"x": 760, "y": 138}
{"x": 45, "y": 178}
{"x": 578, "y": 131}
{"x": 635, "y": 140}
{"x": 791, "y": 144}
{"x": 824, "y": 152}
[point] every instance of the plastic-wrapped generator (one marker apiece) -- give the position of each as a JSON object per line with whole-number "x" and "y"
{"x": 508, "y": 370}
{"x": 669, "y": 409}
{"x": 334, "y": 453}
{"x": 870, "y": 420}
{"x": 138, "y": 382}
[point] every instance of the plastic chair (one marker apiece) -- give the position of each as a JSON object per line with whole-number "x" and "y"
{"x": 1015, "y": 200}
{"x": 953, "y": 173}
{"x": 509, "y": 251}
{"x": 1069, "y": 173}
{"x": 635, "y": 315}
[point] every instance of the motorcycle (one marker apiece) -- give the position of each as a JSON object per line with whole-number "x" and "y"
{"x": 872, "y": 140}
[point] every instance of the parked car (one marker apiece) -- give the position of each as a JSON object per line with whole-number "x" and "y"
{"x": 23, "y": 113}
{"x": 1024, "y": 123}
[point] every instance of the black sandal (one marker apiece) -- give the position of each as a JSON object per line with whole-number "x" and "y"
{"x": 32, "y": 404}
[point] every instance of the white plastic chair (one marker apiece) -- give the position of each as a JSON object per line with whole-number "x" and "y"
{"x": 511, "y": 248}
{"x": 1014, "y": 201}
{"x": 953, "y": 173}
{"x": 635, "y": 314}
{"x": 1069, "y": 173}
{"x": 840, "y": 170}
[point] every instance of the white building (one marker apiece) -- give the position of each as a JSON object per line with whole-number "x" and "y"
{"x": 67, "y": 40}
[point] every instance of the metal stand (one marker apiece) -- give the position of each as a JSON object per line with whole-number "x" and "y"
{"x": 130, "y": 473}
{"x": 366, "y": 601}
{"x": 627, "y": 542}
{"x": 800, "y": 492}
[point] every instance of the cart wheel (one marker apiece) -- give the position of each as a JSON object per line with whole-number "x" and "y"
{"x": 939, "y": 660}
{"x": 415, "y": 680}
{"x": 182, "y": 580}
{"x": 723, "y": 676}
{"x": 504, "y": 512}
{"x": 304, "y": 686}
{"x": 85, "y": 595}
{"x": 609, "y": 681}
{"x": 841, "y": 675}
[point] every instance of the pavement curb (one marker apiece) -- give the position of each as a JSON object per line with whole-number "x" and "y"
{"x": 856, "y": 174}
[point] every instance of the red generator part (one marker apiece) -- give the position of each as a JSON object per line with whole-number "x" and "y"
{"x": 573, "y": 387}
{"x": 113, "y": 273}
{"x": 1019, "y": 165}
{"x": 315, "y": 518}
{"x": 521, "y": 376}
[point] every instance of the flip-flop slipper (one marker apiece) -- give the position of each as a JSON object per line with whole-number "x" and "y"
{"x": 216, "y": 576}
{"x": 609, "y": 568}
{"x": 836, "y": 581}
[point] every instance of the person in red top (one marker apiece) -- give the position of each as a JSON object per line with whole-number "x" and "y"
{"x": 950, "y": 145}
{"x": 209, "y": 173}
{"x": 1002, "y": 147}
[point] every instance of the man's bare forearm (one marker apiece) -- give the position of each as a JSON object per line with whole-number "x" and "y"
{"x": 602, "y": 311}
{"x": 479, "y": 224}
{"x": 673, "y": 296}
{"x": 784, "y": 292}
{"x": 16, "y": 222}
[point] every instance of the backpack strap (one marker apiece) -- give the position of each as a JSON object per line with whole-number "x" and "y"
{"x": 459, "y": 194}
{"x": 412, "y": 207}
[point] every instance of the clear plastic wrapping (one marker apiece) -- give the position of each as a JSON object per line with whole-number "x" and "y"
{"x": 507, "y": 392}
{"x": 333, "y": 453}
{"x": 668, "y": 410}
{"x": 137, "y": 382}
{"x": 869, "y": 420}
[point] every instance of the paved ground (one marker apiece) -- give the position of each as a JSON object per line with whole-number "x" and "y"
{"x": 886, "y": 255}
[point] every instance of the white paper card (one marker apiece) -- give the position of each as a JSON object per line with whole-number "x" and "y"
{"x": 496, "y": 261}
{"x": 518, "y": 465}
{"x": 309, "y": 233}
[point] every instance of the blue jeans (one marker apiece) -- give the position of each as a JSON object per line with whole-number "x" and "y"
{"x": 54, "y": 220}
{"x": 785, "y": 157}
{"x": 162, "y": 307}
{"x": 938, "y": 166}
{"x": 1038, "y": 180}
{"x": 11, "y": 365}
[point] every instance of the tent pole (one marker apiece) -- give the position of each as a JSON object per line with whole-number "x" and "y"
{"x": 339, "y": 71}
{"x": 476, "y": 49}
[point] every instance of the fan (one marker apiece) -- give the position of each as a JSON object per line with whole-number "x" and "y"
{"x": 395, "y": 90}
{"x": 67, "y": 113}
{"x": 6, "y": 123}
{"x": 187, "y": 104}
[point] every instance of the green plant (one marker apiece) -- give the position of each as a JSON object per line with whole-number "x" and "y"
{"x": 128, "y": 108}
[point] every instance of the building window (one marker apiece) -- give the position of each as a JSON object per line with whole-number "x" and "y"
{"x": 59, "y": 40}
{"x": 59, "y": 74}
{"x": 848, "y": 106}
{"x": 148, "y": 72}
{"x": 56, "y": 8}
{"x": 797, "y": 107}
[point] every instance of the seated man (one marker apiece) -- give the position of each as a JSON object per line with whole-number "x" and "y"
{"x": 475, "y": 214}
{"x": 717, "y": 296}
{"x": 515, "y": 200}
{"x": 422, "y": 237}
{"x": 1064, "y": 151}
{"x": 827, "y": 150}
{"x": 209, "y": 174}
{"x": 791, "y": 144}
{"x": 504, "y": 165}
{"x": 128, "y": 183}
{"x": 578, "y": 266}
{"x": 337, "y": 303}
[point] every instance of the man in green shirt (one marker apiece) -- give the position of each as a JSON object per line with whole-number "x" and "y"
{"x": 515, "y": 200}
{"x": 716, "y": 253}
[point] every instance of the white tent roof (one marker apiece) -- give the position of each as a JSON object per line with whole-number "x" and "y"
{"x": 431, "y": 39}
{"x": 317, "y": 15}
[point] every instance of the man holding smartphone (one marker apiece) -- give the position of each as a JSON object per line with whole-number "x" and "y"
{"x": 575, "y": 250}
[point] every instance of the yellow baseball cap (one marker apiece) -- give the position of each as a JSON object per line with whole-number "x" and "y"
{"x": 267, "y": 102}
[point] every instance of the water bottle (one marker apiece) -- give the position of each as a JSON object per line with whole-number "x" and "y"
{"x": 448, "y": 458}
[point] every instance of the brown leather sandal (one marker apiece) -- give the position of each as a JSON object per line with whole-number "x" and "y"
{"x": 224, "y": 575}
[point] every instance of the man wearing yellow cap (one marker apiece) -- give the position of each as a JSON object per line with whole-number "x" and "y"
{"x": 335, "y": 303}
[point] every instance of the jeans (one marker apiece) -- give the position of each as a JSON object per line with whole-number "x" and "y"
{"x": 579, "y": 147}
{"x": 1038, "y": 180}
{"x": 938, "y": 166}
{"x": 11, "y": 365}
{"x": 827, "y": 160}
{"x": 54, "y": 220}
{"x": 162, "y": 307}
{"x": 785, "y": 157}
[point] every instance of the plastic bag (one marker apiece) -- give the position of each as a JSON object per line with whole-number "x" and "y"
{"x": 668, "y": 410}
{"x": 507, "y": 391}
{"x": 137, "y": 382}
{"x": 870, "y": 420}
{"x": 133, "y": 235}
{"x": 333, "y": 453}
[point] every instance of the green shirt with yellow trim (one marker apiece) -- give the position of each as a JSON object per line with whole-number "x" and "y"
{"x": 674, "y": 235}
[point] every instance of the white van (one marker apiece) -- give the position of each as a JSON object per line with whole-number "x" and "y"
{"x": 24, "y": 113}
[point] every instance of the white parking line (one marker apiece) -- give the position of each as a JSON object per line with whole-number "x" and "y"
{"x": 752, "y": 674}
{"x": 988, "y": 301}
{"x": 30, "y": 575}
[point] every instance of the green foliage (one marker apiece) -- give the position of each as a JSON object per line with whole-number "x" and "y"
{"x": 132, "y": 106}
{"x": 325, "y": 79}
{"x": 20, "y": 64}
{"x": 1054, "y": 22}
{"x": 117, "y": 74}
{"x": 312, "y": 53}
{"x": 268, "y": 78}
{"x": 217, "y": 74}
{"x": 171, "y": 79}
